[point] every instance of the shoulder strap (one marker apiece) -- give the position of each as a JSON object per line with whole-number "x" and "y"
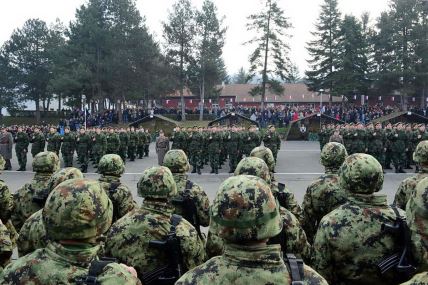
{"x": 296, "y": 269}
{"x": 113, "y": 187}
{"x": 189, "y": 185}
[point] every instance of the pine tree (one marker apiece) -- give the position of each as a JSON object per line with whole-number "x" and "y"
{"x": 241, "y": 77}
{"x": 270, "y": 57}
{"x": 293, "y": 75}
{"x": 325, "y": 50}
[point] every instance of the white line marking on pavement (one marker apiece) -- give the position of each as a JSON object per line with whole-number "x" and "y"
{"x": 299, "y": 150}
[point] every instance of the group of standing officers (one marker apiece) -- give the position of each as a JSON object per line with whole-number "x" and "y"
{"x": 90, "y": 144}
{"x": 389, "y": 144}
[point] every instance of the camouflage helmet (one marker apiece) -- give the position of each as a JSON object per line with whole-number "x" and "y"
{"x": 111, "y": 164}
{"x": 245, "y": 210}
{"x": 2, "y": 163}
{"x": 266, "y": 154}
{"x": 63, "y": 175}
{"x": 361, "y": 173}
{"x": 421, "y": 153}
{"x": 176, "y": 161}
{"x": 77, "y": 209}
{"x": 157, "y": 183}
{"x": 333, "y": 154}
{"x": 417, "y": 219}
{"x": 46, "y": 162}
{"x": 253, "y": 166}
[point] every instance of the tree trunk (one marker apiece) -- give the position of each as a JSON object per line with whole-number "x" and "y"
{"x": 120, "y": 111}
{"x": 59, "y": 103}
{"x": 264, "y": 80}
{"x": 202, "y": 103}
{"x": 37, "y": 101}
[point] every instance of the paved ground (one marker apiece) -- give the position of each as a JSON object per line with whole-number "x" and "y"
{"x": 298, "y": 164}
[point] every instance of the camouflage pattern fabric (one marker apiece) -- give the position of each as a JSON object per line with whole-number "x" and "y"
{"x": 265, "y": 154}
{"x": 6, "y": 246}
{"x": 46, "y": 162}
{"x": 111, "y": 164}
{"x": 62, "y": 264}
{"x": 418, "y": 279}
{"x": 351, "y": 234}
{"x": 176, "y": 160}
{"x": 157, "y": 183}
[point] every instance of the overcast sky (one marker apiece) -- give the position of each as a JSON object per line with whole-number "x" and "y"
{"x": 302, "y": 13}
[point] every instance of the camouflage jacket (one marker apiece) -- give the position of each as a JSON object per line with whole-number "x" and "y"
{"x": 322, "y": 196}
{"x": 6, "y": 246}
{"x": 119, "y": 194}
{"x": 22, "y": 140}
{"x": 113, "y": 142}
{"x": 58, "y": 264}
{"x": 349, "y": 242}
{"x": 128, "y": 239}
{"x": 23, "y": 198}
{"x": 32, "y": 235}
{"x": 407, "y": 187}
{"x": 68, "y": 143}
{"x": 419, "y": 279}
{"x": 241, "y": 265}
{"x": 6, "y": 201}
{"x": 286, "y": 198}
{"x": 196, "y": 192}
{"x": 295, "y": 238}
{"x": 38, "y": 142}
{"x": 272, "y": 141}
{"x": 54, "y": 142}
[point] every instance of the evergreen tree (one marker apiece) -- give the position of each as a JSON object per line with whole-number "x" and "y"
{"x": 241, "y": 77}
{"x": 270, "y": 57}
{"x": 325, "y": 50}
{"x": 293, "y": 75}
{"x": 421, "y": 51}
{"x": 179, "y": 33}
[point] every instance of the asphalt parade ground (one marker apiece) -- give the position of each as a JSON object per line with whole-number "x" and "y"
{"x": 298, "y": 164}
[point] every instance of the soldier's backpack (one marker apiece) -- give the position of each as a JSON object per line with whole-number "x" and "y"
{"x": 95, "y": 269}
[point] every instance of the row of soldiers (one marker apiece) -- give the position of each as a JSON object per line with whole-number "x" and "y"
{"x": 255, "y": 223}
{"x": 215, "y": 144}
{"x": 392, "y": 143}
{"x": 90, "y": 144}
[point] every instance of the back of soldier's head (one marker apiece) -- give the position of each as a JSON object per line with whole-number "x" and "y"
{"x": 266, "y": 154}
{"x": 333, "y": 154}
{"x": 77, "y": 209}
{"x": 157, "y": 183}
{"x": 111, "y": 164}
{"x": 361, "y": 173}
{"x": 245, "y": 210}
{"x": 421, "y": 153}
{"x": 253, "y": 166}
{"x": 46, "y": 162}
{"x": 176, "y": 161}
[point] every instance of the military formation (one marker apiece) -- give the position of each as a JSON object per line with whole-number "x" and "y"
{"x": 391, "y": 144}
{"x": 88, "y": 145}
{"x": 68, "y": 229}
{"x": 215, "y": 145}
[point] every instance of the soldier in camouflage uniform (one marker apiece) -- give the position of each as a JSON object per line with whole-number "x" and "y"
{"x": 246, "y": 216}
{"x": 408, "y": 185}
{"x": 38, "y": 142}
{"x": 128, "y": 239}
{"x": 376, "y": 142}
{"x": 232, "y": 146}
{"x": 285, "y": 197}
{"x": 76, "y": 214}
{"x": 410, "y": 147}
{"x": 324, "y": 194}
{"x": 132, "y": 144}
{"x": 176, "y": 161}
{"x": 113, "y": 142}
{"x": 359, "y": 139}
{"x": 196, "y": 145}
{"x": 147, "y": 142}
{"x": 111, "y": 167}
{"x": 398, "y": 147}
{"x": 6, "y": 207}
{"x": 178, "y": 138}
{"x": 292, "y": 239}
{"x": 31, "y": 197}
{"x": 250, "y": 140}
{"x": 388, "y": 152}
{"x": 214, "y": 143}
{"x": 21, "y": 148}
{"x": 336, "y": 137}
{"x": 83, "y": 142}
{"x": 272, "y": 141}
{"x": 54, "y": 141}
{"x": 68, "y": 146}
{"x": 141, "y": 143}
{"x": 99, "y": 146}
{"x": 33, "y": 233}
{"x": 124, "y": 141}
{"x": 351, "y": 235}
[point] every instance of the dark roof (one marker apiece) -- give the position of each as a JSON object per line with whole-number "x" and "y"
{"x": 408, "y": 117}
{"x": 151, "y": 117}
{"x": 231, "y": 115}
{"x": 316, "y": 127}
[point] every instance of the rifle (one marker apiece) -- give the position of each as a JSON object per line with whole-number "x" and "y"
{"x": 169, "y": 274}
{"x": 401, "y": 262}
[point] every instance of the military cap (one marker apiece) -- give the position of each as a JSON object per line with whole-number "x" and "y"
{"x": 111, "y": 164}
{"x": 361, "y": 173}
{"x": 253, "y": 166}
{"x": 333, "y": 154}
{"x": 77, "y": 209}
{"x": 420, "y": 155}
{"x": 2, "y": 163}
{"x": 244, "y": 209}
{"x": 47, "y": 162}
{"x": 265, "y": 154}
{"x": 157, "y": 183}
{"x": 176, "y": 161}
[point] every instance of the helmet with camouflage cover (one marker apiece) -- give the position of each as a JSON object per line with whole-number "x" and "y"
{"x": 46, "y": 162}
{"x": 333, "y": 154}
{"x": 157, "y": 183}
{"x": 245, "y": 210}
{"x": 421, "y": 153}
{"x": 253, "y": 166}
{"x": 77, "y": 209}
{"x": 361, "y": 173}
{"x": 176, "y": 161}
{"x": 111, "y": 164}
{"x": 2, "y": 163}
{"x": 266, "y": 154}
{"x": 63, "y": 175}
